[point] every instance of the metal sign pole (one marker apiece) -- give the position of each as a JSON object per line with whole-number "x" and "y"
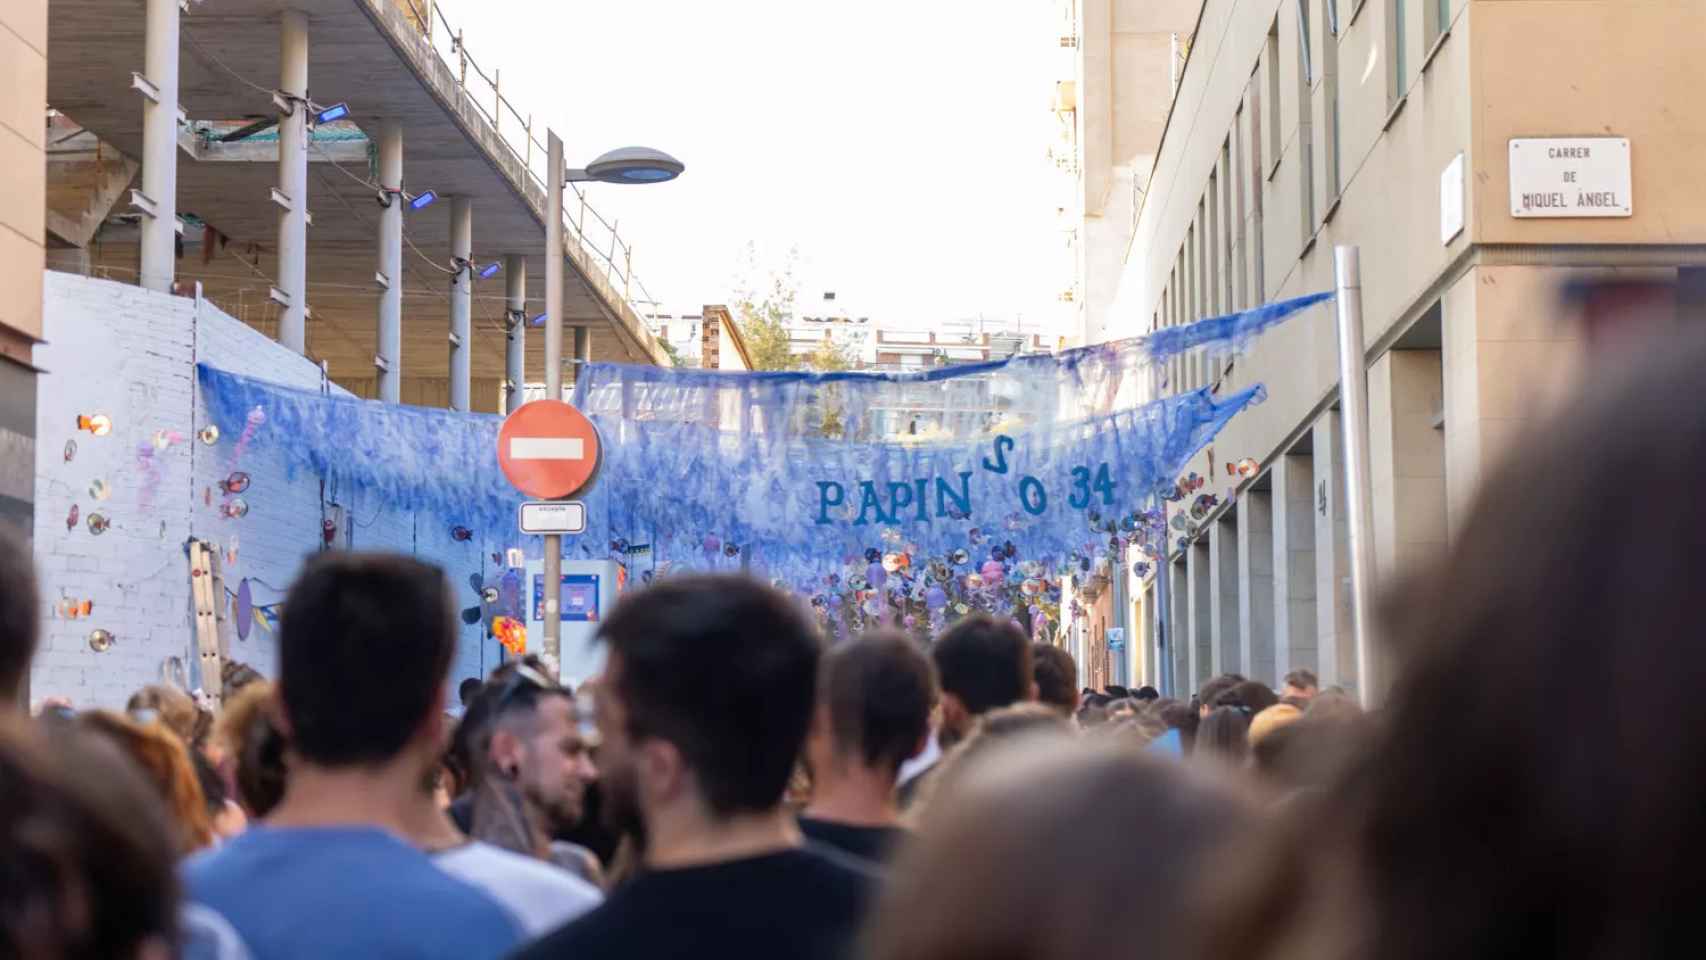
{"x": 1163, "y": 613}
{"x": 1353, "y": 406}
{"x": 553, "y": 567}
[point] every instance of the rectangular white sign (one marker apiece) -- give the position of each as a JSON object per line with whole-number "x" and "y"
{"x": 552, "y": 516}
{"x": 547, "y": 448}
{"x": 1571, "y": 177}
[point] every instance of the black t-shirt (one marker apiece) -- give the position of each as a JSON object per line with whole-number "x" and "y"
{"x": 876, "y": 844}
{"x": 805, "y": 903}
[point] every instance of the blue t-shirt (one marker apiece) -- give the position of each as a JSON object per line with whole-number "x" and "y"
{"x": 341, "y": 892}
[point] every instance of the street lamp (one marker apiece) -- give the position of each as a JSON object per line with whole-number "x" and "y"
{"x": 629, "y": 165}
{"x": 624, "y": 165}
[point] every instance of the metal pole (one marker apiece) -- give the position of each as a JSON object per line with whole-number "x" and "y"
{"x": 160, "y": 147}
{"x": 461, "y": 298}
{"x": 293, "y": 183}
{"x": 515, "y": 352}
{"x": 583, "y": 353}
{"x": 1353, "y": 406}
{"x": 553, "y": 643}
{"x": 390, "y": 359}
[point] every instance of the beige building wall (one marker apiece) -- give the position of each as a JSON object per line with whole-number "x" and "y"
{"x": 1255, "y": 182}
{"x": 23, "y": 111}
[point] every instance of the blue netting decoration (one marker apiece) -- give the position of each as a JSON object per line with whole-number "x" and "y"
{"x": 1012, "y": 471}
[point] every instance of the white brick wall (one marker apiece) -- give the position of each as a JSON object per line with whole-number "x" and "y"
{"x": 131, "y": 354}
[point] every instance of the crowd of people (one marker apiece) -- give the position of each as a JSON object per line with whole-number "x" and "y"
{"x": 734, "y": 785}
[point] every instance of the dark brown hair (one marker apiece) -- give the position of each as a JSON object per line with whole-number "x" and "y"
{"x": 86, "y": 857}
{"x": 1050, "y": 848}
{"x": 1056, "y": 674}
{"x": 879, "y": 690}
{"x": 1503, "y": 809}
{"x": 984, "y": 662}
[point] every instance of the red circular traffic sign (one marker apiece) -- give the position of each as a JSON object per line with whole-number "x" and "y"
{"x": 549, "y": 450}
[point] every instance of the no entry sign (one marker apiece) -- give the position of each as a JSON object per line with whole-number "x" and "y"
{"x": 549, "y": 450}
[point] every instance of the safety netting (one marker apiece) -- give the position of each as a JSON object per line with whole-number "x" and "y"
{"x": 901, "y": 498}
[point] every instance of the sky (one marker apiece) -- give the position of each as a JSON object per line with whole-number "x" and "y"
{"x": 898, "y": 145}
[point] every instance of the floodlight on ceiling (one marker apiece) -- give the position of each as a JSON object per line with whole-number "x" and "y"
{"x": 336, "y": 111}
{"x": 490, "y": 270}
{"x": 422, "y": 201}
{"x": 630, "y": 165}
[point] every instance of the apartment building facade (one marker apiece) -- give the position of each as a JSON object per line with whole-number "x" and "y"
{"x": 23, "y": 131}
{"x": 1400, "y": 127}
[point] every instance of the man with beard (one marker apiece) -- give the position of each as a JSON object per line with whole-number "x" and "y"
{"x": 530, "y": 766}
{"x": 702, "y": 711}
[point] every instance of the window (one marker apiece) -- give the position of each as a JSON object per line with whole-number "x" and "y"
{"x": 1305, "y": 126}
{"x": 1228, "y": 227}
{"x": 1438, "y": 24}
{"x": 1271, "y": 65}
{"x": 1330, "y": 86}
{"x": 1258, "y": 241}
{"x": 1399, "y": 74}
{"x": 1211, "y": 299}
{"x": 1240, "y": 225}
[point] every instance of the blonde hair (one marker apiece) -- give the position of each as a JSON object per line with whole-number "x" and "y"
{"x": 1273, "y": 718}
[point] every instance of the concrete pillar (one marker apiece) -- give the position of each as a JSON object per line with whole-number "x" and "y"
{"x": 1505, "y": 366}
{"x": 293, "y": 183}
{"x": 160, "y": 147}
{"x": 1256, "y": 585}
{"x": 1335, "y": 644}
{"x": 515, "y": 344}
{"x": 1179, "y": 641}
{"x": 1407, "y": 467}
{"x": 390, "y": 353}
{"x": 1198, "y": 565}
{"x": 1293, "y": 503}
{"x": 461, "y": 299}
{"x": 1226, "y": 643}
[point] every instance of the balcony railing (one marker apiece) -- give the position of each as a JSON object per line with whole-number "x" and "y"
{"x": 515, "y": 130}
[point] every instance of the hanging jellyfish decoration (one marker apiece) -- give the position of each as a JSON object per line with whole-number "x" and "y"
{"x": 883, "y": 499}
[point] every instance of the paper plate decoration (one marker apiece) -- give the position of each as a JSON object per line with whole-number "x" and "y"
{"x": 164, "y": 439}
{"x": 99, "y": 424}
{"x": 209, "y": 434}
{"x": 237, "y": 508}
{"x": 1246, "y": 468}
{"x": 235, "y": 482}
{"x": 72, "y": 518}
{"x": 461, "y": 534}
{"x": 98, "y": 523}
{"x": 489, "y": 595}
{"x": 72, "y": 609}
{"x": 512, "y": 633}
{"x": 70, "y": 450}
{"x": 100, "y": 641}
{"x": 244, "y": 612}
{"x": 99, "y": 490}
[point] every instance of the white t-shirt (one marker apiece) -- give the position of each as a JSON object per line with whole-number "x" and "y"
{"x": 539, "y": 896}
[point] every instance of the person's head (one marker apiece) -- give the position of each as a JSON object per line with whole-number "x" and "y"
{"x": 160, "y": 755}
{"x": 524, "y": 729}
{"x": 1301, "y": 684}
{"x": 1513, "y": 813}
{"x": 172, "y": 707}
{"x": 1025, "y": 856}
{"x": 704, "y": 703}
{"x": 20, "y": 617}
{"x": 1117, "y": 692}
{"x": 363, "y": 656}
{"x": 983, "y": 663}
{"x": 1250, "y": 694}
{"x": 253, "y": 743}
{"x": 467, "y": 690}
{"x": 1224, "y": 736}
{"x": 1274, "y": 718}
{"x": 1181, "y": 717}
{"x": 1055, "y": 672}
{"x": 874, "y": 698}
{"x": 1212, "y": 690}
{"x": 1146, "y": 694}
{"x": 86, "y": 852}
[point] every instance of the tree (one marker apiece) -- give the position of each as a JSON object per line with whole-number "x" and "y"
{"x": 764, "y": 317}
{"x": 830, "y": 355}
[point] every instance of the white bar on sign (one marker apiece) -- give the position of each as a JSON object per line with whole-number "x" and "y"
{"x": 547, "y": 448}
{"x": 547, "y": 517}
